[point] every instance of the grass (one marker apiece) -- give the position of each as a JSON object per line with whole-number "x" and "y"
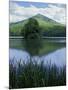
{"x": 33, "y": 75}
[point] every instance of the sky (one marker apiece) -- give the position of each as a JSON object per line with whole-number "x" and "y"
{"x": 20, "y": 10}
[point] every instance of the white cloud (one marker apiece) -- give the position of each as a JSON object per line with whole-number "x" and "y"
{"x": 55, "y": 12}
{"x": 18, "y": 13}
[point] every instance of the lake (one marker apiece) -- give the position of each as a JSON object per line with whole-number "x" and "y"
{"x": 53, "y": 51}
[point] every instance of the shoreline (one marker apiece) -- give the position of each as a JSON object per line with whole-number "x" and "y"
{"x": 20, "y": 37}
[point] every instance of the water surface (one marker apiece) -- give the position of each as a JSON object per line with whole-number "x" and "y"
{"x": 52, "y": 52}
{"x": 57, "y": 57}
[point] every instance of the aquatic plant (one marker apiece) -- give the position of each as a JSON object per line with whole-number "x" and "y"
{"x": 28, "y": 75}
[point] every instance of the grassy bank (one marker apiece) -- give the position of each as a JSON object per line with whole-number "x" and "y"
{"x": 33, "y": 75}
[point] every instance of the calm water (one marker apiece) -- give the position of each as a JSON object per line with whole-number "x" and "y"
{"x": 57, "y": 57}
{"x": 53, "y": 51}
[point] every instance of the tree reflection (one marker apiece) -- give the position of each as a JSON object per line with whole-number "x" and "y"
{"x": 33, "y": 46}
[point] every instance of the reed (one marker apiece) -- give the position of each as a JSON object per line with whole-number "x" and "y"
{"x": 28, "y": 75}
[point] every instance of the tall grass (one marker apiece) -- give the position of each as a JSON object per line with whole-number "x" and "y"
{"x": 33, "y": 75}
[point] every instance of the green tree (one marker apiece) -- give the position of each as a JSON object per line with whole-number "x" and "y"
{"x": 32, "y": 36}
{"x": 32, "y": 29}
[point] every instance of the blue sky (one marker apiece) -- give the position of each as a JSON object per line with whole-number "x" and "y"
{"x": 28, "y": 4}
{"x": 38, "y": 5}
{"x": 20, "y": 10}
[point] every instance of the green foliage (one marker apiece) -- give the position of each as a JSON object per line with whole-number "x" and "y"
{"x": 33, "y": 75}
{"x": 55, "y": 31}
{"x": 31, "y": 29}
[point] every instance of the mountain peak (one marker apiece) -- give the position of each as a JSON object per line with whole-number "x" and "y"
{"x": 44, "y": 18}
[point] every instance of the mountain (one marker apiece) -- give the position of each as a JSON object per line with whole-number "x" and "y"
{"x": 45, "y": 23}
{"x": 44, "y": 18}
{"x": 38, "y": 17}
